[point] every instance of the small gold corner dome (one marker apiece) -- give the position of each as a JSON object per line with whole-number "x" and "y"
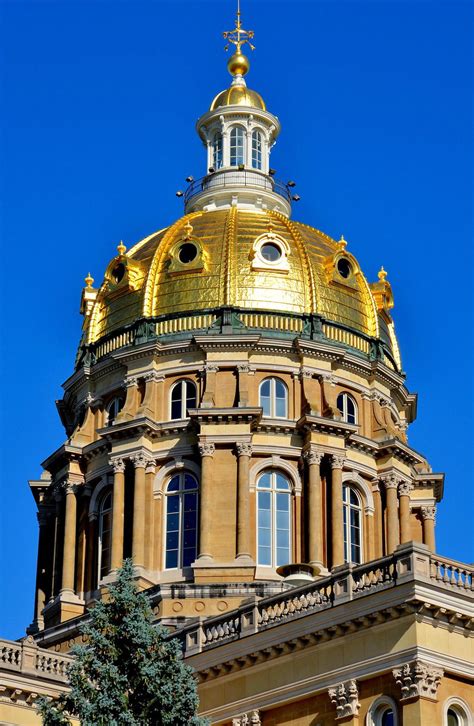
{"x": 238, "y": 95}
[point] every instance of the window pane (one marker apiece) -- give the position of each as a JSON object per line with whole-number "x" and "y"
{"x": 176, "y": 410}
{"x": 264, "y": 518}
{"x": 237, "y": 146}
{"x": 354, "y": 498}
{"x": 265, "y": 388}
{"x": 453, "y": 719}
{"x": 190, "y": 395}
{"x": 280, "y": 408}
{"x": 217, "y": 151}
{"x": 172, "y": 540}
{"x": 264, "y": 500}
{"x": 283, "y": 502}
{"x": 189, "y": 555}
{"x": 265, "y": 480}
{"x": 282, "y": 538}
{"x": 189, "y": 538}
{"x": 171, "y": 558}
{"x": 387, "y": 718}
{"x": 280, "y": 389}
{"x": 266, "y": 405}
{"x": 282, "y": 520}
{"x": 256, "y": 150}
{"x": 282, "y": 482}
{"x": 173, "y": 504}
{"x": 264, "y": 537}
{"x": 172, "y": 522}
{"x": 264, "y": 556}
{"x": 283, "y": 556}
{"x": 190, "y": 501}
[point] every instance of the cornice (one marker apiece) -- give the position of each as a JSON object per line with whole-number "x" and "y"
{"x": 331, "y": 426}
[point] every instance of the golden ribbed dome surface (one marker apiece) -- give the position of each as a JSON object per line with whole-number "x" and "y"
{"x": 238, "y": 95}
{"x": 228, "y": 270}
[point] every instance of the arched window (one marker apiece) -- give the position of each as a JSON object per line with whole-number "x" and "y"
{"x": 382, "y": 713}
{"x": 256, "y": 150}
{"x": 181, "y": 521}
{"x": 352, "y": 511}
{"x": 237, "y": 146}
{"x": 217, "y": 155}
{"x": 105, "y": 535}
{"x": 113, "y": 409}
{"x": 183, "y": 397}
{"x": 274, "y": 398}
{"x": 273, "y": 519}
{"x": 457, "y": 714}
{"x": 348, "y": 408}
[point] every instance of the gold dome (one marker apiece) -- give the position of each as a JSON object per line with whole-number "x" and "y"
{"x": 238, "y": 95}
{"x": 221, "y": 267}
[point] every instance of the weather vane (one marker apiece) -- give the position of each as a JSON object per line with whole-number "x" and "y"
{"x": 238, "y": 36}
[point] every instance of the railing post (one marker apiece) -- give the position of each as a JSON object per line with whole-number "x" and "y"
{"x": 412, "y": 558}
{"x": 29, "y": 652}
{"x": 343, "y": 583}
{"x": 249, "y": 619}
{"x": 194, "y": 640}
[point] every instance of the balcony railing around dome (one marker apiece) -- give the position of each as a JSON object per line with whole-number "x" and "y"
{"x": 237, "y": 178}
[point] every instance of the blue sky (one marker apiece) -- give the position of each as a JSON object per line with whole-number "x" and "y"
{"x": 99, "y": 101}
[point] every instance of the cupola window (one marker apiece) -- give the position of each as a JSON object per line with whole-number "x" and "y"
{"x": 113, "y": 409}
{"x": 217, "y": 153}
{"x": 274, "y": 398}
{"x": 256, "y": 150}
{"x": 181, "y": 521}
{"x": 187, "y": 253}
{"x": 347, "y": 408}
{"x": 105, "y": 533}
{"x": 270, "y": 252}
{"x": 344, "y": 267}
{"x": 352, "y": 513}
{"x": 237, "y": 146}
{"x": 183, "y": 397}
{"x": 274, "y": 519}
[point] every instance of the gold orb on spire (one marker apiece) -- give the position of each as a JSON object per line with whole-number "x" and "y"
{"x": 238, "y": 64}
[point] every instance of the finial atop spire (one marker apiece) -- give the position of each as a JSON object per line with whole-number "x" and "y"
{"x": 121, "y": 249}
{"x": 238, "y": 64}
{"x": 382, "y": 274}
{"x": 89, "y": 281}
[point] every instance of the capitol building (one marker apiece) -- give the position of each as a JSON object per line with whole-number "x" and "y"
{"x": 236, "y": 422}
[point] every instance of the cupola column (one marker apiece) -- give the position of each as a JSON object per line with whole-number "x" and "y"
{"x": 149, "y": 528}
{"x": 138, "y": 536}
{"x": 315, "y": 507}
{"x": 429, "y": 514}
{"x": 69, "y": 547}
{"x": 404, "y": 509}
{"x": 118, "y": 507}
{"x": 244, "y": 453}
{"x": 206, "y": 449}
{"x": 391, "y": 482}
{"x": 337, "y": 532}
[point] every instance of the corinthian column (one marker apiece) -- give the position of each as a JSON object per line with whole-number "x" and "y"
{"x": 118, "y": 506}
{"x": 429, "y": 514}
{"x": 244, "y": 452}
{"x": 139, "y": 496}
{"x": 404, "y": 510}
{"x": 315, "y": 507}
{"x": 391, "y": 482}
{"x": 205, "y": 508}
{"x": 337, "y": 531}
{"x": 69, "y": 547}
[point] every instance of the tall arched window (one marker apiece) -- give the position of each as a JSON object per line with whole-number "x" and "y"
{"x": 181, "y": 521}
{"x": 237, "y": 146}
{"x": 256, "y": 150}
{"x": 273, "y": 396}
{"x": 352, "y": 525}
{"x": 348, "y": 408}
{"x": 183, "y": 397}
{"x": 113, "y": 409}
{"x": 105, "y": 535}
{"x": 217, "y": 154}
{"x": 457, "y": 713}
{"x": 273, "y": 519}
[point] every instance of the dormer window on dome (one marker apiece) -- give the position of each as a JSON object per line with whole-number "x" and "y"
{"x": 270, "y": 253}
{"x": 186, "y": 255}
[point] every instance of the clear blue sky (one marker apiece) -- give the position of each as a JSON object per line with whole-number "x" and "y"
{"x": 99, "y": 101}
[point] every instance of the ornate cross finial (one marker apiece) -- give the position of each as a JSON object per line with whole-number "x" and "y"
{"x": 238, "y": 36}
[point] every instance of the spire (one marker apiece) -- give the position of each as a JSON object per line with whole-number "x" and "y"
{"x": 238, "y": 64}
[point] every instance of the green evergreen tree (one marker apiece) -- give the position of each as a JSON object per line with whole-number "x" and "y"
{"x": 128, "y": 672}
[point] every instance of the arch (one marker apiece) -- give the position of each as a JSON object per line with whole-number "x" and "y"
{"x": 348, "y": 407}
{"x": 237, "y": 139}
{"x": 274, "y": 519}
{"x": 113, "y": 408}
{"x": 460, "y": 708}
{"x": 359, "y": 483}
{"x": 97, "y": 494}
{"x": 181, "y": 516}
{"x": 182, "y": 395}
{"x": 273, "y": 397}
{"x": 378, "y": 708}
{"x": 275, "y": 462}
{"x": 165, "y": 472}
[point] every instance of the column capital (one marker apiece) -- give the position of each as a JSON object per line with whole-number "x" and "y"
{"x": 131, "y": 382}
{"x": 210, "y": 368}
{"x": 140, "y": 460}
{"x": 154, "y": 377}
{"x": 252, "y": 718}
{"x": 206, "y": 448}
{"x": 305, "y": 373}
{"x": 243, "y": 367}
{"x": 328, "y": 378}
{"x": 404, "y": 488}
{"x": 428, "y": 512}
{"x": 313, "y": 456}
{"x": 418, "y": 679}
{"x": 244, "y": 449}
{"x": 345, "y": 696}
{"x": 69, "y": 487}
{"x": 118, "y": 465}
{"x": 337, "y": 461}
{"x": 150, "y": 467}
{"x": 391, "y": 480}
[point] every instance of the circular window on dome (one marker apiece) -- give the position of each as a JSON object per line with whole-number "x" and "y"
{"x": 270, "y": 252}
{"x": 118, "y": 272}
{"x": 344, "y": 268}
{"x": 187, "y": 253}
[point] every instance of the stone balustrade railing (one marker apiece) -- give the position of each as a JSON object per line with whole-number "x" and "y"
{"x": 411, "y": 561}
{"x": 26, "y": 657}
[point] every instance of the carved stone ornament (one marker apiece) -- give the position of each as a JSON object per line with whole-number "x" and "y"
{"x": 345, "y": 697}
{"x": 337, "y": 462}
{"x": 140, "y": 461}
{"x": 69, "y": 487}
{"x": 306, "y": 373}
{"x": 153, "y": 377}
{"x": 391, "y": 481}
{"x": 247, "y": 719}
{"x": 150, "y": 466}
{"x": 243, "y": 367}
{"x": 405, "y": 488}
{"x": 118, "y": 465}
{"x": 313, "y": 457}
{"x": 210, "y": 368}
{"x": 428, "y": 513}
{"x": 418, "y": 679}
{"x": 131, "y": 382}
{"x": 244, "y": 449}
{"x": 207, "y": 449}
{"x": 329, "y": 378}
